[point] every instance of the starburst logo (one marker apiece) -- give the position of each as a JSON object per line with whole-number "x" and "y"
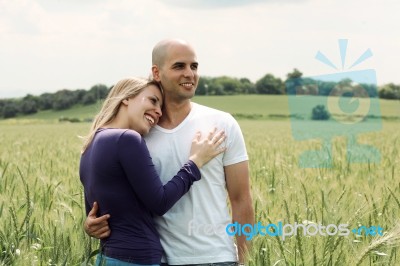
{"x": 343, "y": 52}
{"x": 344, "y": 103}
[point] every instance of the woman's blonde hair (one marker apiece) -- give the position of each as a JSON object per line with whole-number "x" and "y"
{"x": 124, "y": 89}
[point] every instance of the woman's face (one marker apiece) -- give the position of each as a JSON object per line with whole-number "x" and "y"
{"x": 144, "y": 109}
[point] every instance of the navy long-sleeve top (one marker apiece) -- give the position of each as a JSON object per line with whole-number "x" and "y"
{"x": 116, "y": 170}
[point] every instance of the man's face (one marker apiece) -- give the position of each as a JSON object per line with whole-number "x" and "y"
{"x": 178, "y": 74}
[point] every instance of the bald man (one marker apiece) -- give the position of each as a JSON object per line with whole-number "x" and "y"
{"x": 193, "y": 231}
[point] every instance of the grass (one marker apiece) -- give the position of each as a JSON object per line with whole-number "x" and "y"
{"x": 355, "y": 194}
{"x": 42, "y": 210}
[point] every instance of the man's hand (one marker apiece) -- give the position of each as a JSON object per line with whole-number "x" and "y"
{"x": 97, "y": 227}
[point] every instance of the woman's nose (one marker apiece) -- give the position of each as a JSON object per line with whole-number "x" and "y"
{"x": 158, "y": 111}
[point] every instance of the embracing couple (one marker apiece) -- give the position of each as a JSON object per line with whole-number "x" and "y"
{"x": 148, "y": 147}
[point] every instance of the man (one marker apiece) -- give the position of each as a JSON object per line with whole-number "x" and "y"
{"x": 190, "y": 231}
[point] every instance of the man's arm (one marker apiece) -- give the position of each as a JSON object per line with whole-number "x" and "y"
{"x": 238, "y": 186}
{"x": 97, "y": 227}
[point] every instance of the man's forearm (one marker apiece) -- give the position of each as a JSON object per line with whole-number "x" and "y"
{"x": 243, "y": 213}
{"x": 238, "y": 186}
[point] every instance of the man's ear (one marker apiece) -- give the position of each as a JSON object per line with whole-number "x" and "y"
{"x": 156, "y": 73}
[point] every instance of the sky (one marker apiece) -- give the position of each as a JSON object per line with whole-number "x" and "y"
{"x": 49, "y": 45}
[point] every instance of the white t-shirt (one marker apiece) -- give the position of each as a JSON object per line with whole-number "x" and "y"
{"x": 193, "y": 230}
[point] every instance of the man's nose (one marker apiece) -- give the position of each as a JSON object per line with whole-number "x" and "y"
{"x": 189, "y": 72}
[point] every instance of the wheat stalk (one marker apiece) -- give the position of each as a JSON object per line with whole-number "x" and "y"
{"x": 391, "y": 238}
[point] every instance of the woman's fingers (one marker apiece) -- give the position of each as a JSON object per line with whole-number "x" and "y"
{"x": 213, "y": 138}
{"x": 198, "y": 136}
{"x": 211, "y": 133}
{"x": 218, "y": 137}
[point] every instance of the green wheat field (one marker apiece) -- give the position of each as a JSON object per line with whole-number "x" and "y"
{"x": 41, "y": 198}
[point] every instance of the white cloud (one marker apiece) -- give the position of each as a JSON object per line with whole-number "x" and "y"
{"x": 47, "y": 45}
{"x": 224, "y": 3}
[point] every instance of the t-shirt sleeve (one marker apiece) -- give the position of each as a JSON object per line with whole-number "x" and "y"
{"x": 136, "y": 161}
{"x": 236, "y": 149}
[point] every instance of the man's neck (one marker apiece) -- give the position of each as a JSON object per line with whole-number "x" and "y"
{"x": 174, "y": 114}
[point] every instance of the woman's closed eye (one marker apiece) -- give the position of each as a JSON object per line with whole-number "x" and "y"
{"x": 155, "y": 101}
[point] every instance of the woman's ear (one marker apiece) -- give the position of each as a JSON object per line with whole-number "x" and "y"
{"x": 125, "y": 101}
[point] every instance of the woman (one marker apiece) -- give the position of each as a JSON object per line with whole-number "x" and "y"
{"x": 116, "y": 171}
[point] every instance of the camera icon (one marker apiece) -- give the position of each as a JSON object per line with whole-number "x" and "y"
{"x": 328, "y": 106}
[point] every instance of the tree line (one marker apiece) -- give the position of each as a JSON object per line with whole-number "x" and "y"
{"x": 268, "y": 84}
{"x": 60, "y": 100}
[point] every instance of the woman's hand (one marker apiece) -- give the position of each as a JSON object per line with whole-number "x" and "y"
{"x": 203, "y": 150}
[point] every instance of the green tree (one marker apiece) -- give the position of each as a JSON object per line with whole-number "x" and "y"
{"x": 99, "y": 91}
{"x": 294, "y": 84}
{"x": 295, "y": 74}
{"x": 2, "y": 104}
{"x": 10, "y": 109}
{"x": 213, "y": 87}
{"x": 320, "y": 113}
{"x": 202, "y": 86}
{"x": 371, "y": 89}
{"x": 79, "y": 95}
{"x": 269, "y": 85}
{"x": 325, "y": 87}
{"x": 88, "y": 98}
{"x": 216, "y": 89}
{"x": 390, "y": 91}
{"x": 63, "y": 99}
{"x": 46, "y": 101}
{"x": 29, "y": 104}
{"x": 247, "y": 87}
{"x": 229, "y": 85}
{"x": 28, "y": 107}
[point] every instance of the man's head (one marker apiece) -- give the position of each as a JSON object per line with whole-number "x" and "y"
{"x": 175, "y": 67}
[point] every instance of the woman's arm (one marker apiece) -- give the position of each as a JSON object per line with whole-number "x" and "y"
{"x": 139, "y": 168}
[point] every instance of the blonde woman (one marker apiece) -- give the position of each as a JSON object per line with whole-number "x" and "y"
{"x": 117, "y": 172}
